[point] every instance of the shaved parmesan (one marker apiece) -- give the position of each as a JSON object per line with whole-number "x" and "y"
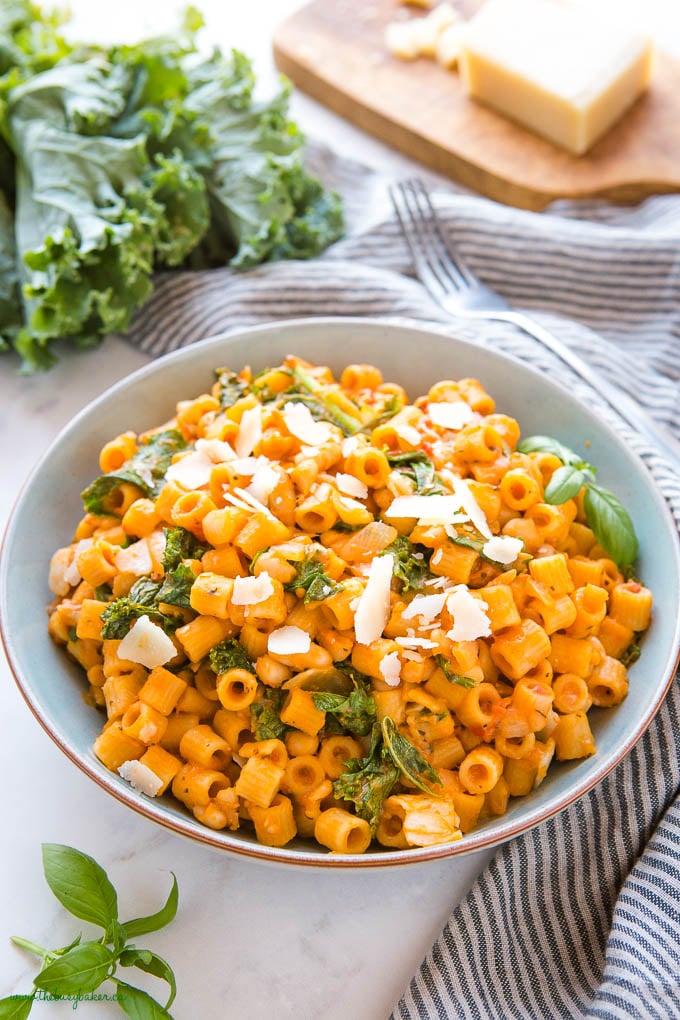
{"x": 348, "y": 504}
{"x": 351, "y": 486}
{"x": 249, "y": 432}
{"x": 135, "y": 559}
{"x": 415, "y": 642}
{"x": 374, "y": 604}
{"x": 390, "y": 669}
{"x": 140, "y": 777}
{"x": 218, "y": 450}
{"x": 470, "y": 505}
{"x": 250, "y": 591}
{"x": 412, "y": 656}
{"x": 289, "y": 641}
{"x": 425, "y": 606}
{"x": 191, "y": 471}
{"x": 503, "y": 548}
{"x": 451, "y": 416}
{"x": 350, "y": 444}
{"x": 470, "y": 620}
{"x": 146, "y": 643}
{"x": 299, "y": 422}
{"x": 430, "y": 509}
{"x": 72, "y": 573}
{"x": 409, "y": 434}
{"x": 264, "y": 481}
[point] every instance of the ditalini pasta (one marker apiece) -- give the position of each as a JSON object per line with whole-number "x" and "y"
{"x": 307, "y": 607}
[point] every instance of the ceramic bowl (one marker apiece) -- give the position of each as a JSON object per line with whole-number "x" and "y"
{"x": 49, "y": 506}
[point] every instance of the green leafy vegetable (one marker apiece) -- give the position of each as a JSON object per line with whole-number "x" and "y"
{"x": 118, "y": 161}
{"x": 142, "y": 600}
{"x": 229, "y": 654}
{"x": 417, "y": 466}
{"x": 145, "y": 469}
{"x": 605, "y": 513}
{"x": 313, "y": 580}
{"x": 230, "y": 387}
{"x": 631, "y": 654}
{"x": 355, "y": 711}
{"x": 411, "y": 563}
{"x": 83, "y": 887}
{"x": 180, "y": 544}
{"x": 366, "y": 782}
{"x": 408, "y": 758}
{"x": 320, "y": 402}
{"x": 455, "y": 678}
{"x": 266, "y": 717}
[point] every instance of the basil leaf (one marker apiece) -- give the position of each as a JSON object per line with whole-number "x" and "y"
{"x": 16, "y": 1007}
{"x": 546, "y": 444}
{"x": 611, "y": 524}
{"x": 150, "y": 963}
{"x": 80, "y": 884}
{"x": 565, "y": 483}
{"x": 81, "y": 970}
{"x": 143, "y": 925}
{"x": 138, "y": 1004}
{"x": 408, "y": 758}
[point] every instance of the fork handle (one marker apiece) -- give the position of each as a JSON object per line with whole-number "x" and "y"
{"x": 660, "y": 438}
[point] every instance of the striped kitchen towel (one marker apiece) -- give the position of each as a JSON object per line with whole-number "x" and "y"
{"x": 579, "y": 918}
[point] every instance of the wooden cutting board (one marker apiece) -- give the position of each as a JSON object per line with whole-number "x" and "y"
{"x": 334, "y": 51}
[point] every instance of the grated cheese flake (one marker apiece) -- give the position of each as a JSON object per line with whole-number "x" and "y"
{"x": 146, "y": 643}
{"x": 351, "y": 486}
{"x": 470, "y": 619}
{"x": 415, "y": 642}
{"x": 469, "y": 504}
{"x": 425, "y": 606}
{"x": 217, "y": 450}
{"x": 409, "y": 434}
{"x": 192, "y": 471}
{"x": 451, "y": 416}
{"x": 432, "y": 509}
{"x": 299, "y": 422}
{"x": 135, "y": 558}
{"x": 289, "y": 641}
{"x": 72, "y": 574}
{"x": 250, "y": 591}
{"x": 373, "y": 609}
{"x": 140, "y": 777}
{"x": 263, "y": 482}
{"x": 390, "y": 669}
{"x": 503, "y": 549}
{"x": 249, "y": 431}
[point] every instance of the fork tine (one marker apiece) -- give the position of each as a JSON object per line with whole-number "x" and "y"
{"x": 425, "y": 238}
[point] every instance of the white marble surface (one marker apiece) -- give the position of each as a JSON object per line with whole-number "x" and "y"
{"x": 249, "y": 941}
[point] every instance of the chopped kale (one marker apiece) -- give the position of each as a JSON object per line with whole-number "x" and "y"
{"x": 355, "y": 711}
{"x": 146, "y": 469}
{"x": 180, "y": 544}
{"x": 311, "y": 577}
{"x": 455, "y": 678}
{"x": 265, "y": 715}
{"x": 366, "y": 782}
{"x": 230, "y": 654}
{"x": 631, "y": 654}
{"x": 411, "y": 563}
{"x": 229, "y": 387}
{"x": 176, "y": 586}
{"x": 408, "y": 758}
{"x": 141, "y": 600}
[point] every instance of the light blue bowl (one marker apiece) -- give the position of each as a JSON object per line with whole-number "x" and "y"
{"x": 49, "y": 507}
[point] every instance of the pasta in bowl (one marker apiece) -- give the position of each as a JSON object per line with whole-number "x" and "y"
{"x": 321, "y": 613}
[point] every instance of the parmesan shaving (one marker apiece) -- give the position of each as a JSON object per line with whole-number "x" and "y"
{"x": 425, "y": 606}
{"x": 289, "y": 641}
{"x": 217, "y": 450}
{"x": 374, "y": 604}
{"x": 135, "y": 559}
{"x": 350, "y": 444}
{"x": 250, "y": 591}
{"x": 390, "y": 669}
{"x": 409, "y": 434}
{"x": 299, "y": 422}
{"x": 470, "y": 619}
{"x": 191, "y": 471}
{"x": 415, "y": 642}
{"x": 503, "y": 549}
{"x": 430, "y": 509}
{"x": 72, "y": 574}
{"x": 469, "y": 504}
{"x": 146, "y": 643}
{"x": 140, "y": 777}
{"x": 351, "y": 486}
{"x": 451, "y": 416}
{"x": 249, "y": 432}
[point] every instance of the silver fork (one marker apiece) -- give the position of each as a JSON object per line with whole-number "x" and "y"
{"x": 449, "y": 281}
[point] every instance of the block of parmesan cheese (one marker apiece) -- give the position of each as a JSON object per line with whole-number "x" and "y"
{"x": 561, "y": 71}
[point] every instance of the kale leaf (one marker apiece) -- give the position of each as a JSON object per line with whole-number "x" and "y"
{"x": 311, "y": 578}
{"x": 265, "y": 715}
{"x": 180, "y": 544}
{"x": 229, "y": 654}
{"x": 146, "y": 469}
{"x": 354, "y": 711}
{"x": 411, "y": 563}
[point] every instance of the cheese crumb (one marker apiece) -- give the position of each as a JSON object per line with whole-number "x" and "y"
{"x": 373, "y": 609}
{"x": 140, "y": 777}
{"x": 390, "y": 669}
{"x": 250, "y": 591}
{"x": 289, "y": 641}
{"x": 146, "y": 643}
{"x": 503, "y": 549}
{"x": 470, "y": 620}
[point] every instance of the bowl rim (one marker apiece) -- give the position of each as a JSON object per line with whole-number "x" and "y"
{"x": 156, "y": 811}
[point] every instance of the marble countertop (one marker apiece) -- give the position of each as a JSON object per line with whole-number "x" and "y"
{"x": 250, "y": 940}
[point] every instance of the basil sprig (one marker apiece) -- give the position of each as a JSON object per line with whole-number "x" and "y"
{"x": 78, "y": 969}
{"x": 606, "y": 515}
